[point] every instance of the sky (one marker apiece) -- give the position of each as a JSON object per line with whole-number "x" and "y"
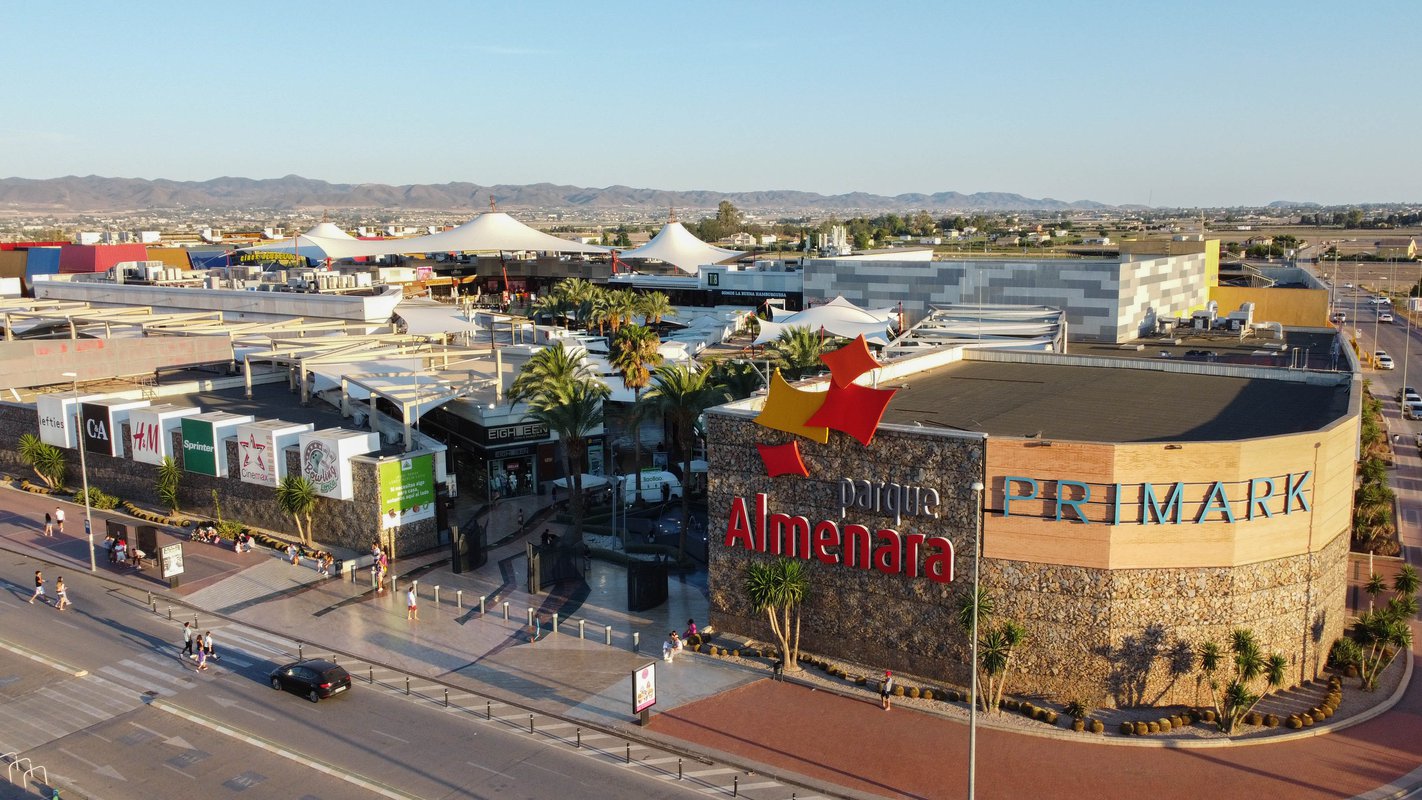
{"x": 1181, "y": 104}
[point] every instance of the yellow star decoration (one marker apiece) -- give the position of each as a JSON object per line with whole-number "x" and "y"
{"x": 787, "y": 408}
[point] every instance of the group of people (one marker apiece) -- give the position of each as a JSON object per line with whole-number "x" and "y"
{"x": 61, "y": 600}
{"x": 120, "y": 552}
{"x": 676, "y": 642}
{"x": 379, "y": 565}
{"x": 204, "y": 649}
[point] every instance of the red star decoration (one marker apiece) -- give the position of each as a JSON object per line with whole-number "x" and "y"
{"x": 853, "y": 409}
{"x": 782, "y": 459}
{"x": 850, "y": 361}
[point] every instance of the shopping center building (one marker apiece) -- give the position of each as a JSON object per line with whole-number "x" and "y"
{"x": 1132, "y": 509}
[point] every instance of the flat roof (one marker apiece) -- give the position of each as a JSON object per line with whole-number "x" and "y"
{"x": 276, "y": 401}
{"x": 1110, "y": 404}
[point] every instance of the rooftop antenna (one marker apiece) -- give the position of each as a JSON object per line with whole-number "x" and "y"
{"x": 491, "y": 203}
{"x": 671, "y": 215}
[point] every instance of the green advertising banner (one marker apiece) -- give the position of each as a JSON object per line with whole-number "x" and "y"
{"x": 199, "y": 447}
{"x": 406, "y": 483}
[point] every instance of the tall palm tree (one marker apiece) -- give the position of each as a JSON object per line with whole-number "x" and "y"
{"x": 779, "y": 588}
{"x": 549, "y": 369}
{"x": 598, "y": 310}
{"x": 297, "y": 496}
{"x": 635, "y": 355}
{"x": 653, "y": 306}
{"x": 621, "y": 307}
{"x": 554, "y": 306}
{"x": 739, "y": 379}
{"x": 797, "y": 351}
{"x": 681, "y": 393}
{"x": 573, "y": 410}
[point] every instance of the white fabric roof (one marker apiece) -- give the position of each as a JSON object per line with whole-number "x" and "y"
{"x": 679, "y": 247}
{"x": 488, "y": 232}
{"x": 839, "y": 317}
{"x": 327, "y": 230}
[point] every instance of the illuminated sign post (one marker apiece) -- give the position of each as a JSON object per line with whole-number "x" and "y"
{"x": 407, "y": 490}
{"x": 644, "y": 691}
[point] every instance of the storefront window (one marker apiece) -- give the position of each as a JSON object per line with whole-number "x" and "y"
{"x": 511, "y": 477}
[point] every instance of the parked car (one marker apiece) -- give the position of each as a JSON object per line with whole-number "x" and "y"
{"x": 1404, "y": 392}
{"x": 1412, "y": 410}
{"x": 315, "y": 678}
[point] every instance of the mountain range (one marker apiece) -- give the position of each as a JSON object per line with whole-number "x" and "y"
{"x": 95, "y": 193}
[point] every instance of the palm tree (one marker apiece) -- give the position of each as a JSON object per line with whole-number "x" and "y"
{"x": 739, "y": 379}
{"x": 554, "y": 306}
{"x": 45, "y": 459}
{"x": 797, "y": 351}
{"x": 653, "y": 306}
{"x": 170, "y": 479}
{"x": 779, "y": 588}
{"x": 297, "y": 496}
{"x": 573, "y": 410}
{"x": 635, "y": 354}
{"x": 681, "y": 393}
{"x": 550, "y": 368}
{"x": 598, "y": 311}
{"x": 621, "y": 307}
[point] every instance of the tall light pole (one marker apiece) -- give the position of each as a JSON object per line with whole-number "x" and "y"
{"x": 973, "y": 667}
{"x": 83, "y": 469}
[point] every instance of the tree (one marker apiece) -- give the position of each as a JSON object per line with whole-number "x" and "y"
{"x": 635, "y": 355}
{"x": 728, "y": 218}
{"x": 997, "y": 643}
{"x": 549, "y": 369}
{"x": 797, "y": 351}
{"x": 45, "y": 459}
{"x": 169, "y": 480}
{"x": 779, "y": 588}
{"x": 653, "y": 306}
{"x": 1380, "y": 635}
{"x": 297, "y": 496}
{"x": 1241, "y": 694}
{"x": 573, "y": 410}
{"x": 738, "y": 378}
{"x": 621, "y": 308}
{"x": 681, "y": 393}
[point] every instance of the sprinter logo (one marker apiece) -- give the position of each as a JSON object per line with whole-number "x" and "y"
{"x": 847, "y": 407}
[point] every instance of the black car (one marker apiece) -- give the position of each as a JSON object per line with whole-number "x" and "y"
{"x": 315, "y": 678}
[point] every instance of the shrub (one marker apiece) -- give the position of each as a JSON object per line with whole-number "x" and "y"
{"x": 1208, "y": 715}
{"x": 1272, "y": 721}
{"x": 97, "y": 499}
{"x": 914, "y": 692}
{"x": 1142, "y": 728}
{"x": 927, "y": 694}
{"x": 861, "y": 680}
{"x": 1076, "y": 708}
{"x": 1254, "y": 718}
{"x": 1127, "y": 729}
{"x": 1097, "y": 726}
{"x": 1078, "y": 724}
{"x": 1052, "y": 717}
{"x": 1295, "y": 722}
{"x": 1165, "y": 725}
{"x": 898, "y": 690}
{"x": 1153, "y": 727}
{"x": 1027, "y": 709}
{"x": 1307, "y": 720}
{"x": 735, "y": 654}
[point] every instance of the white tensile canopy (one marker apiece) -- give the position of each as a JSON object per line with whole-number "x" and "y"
{"x": 676, "y": 245}
{"x": 492, "y": 231}
{"x": 838, "y": 317}
{"x": 308, "y": 244}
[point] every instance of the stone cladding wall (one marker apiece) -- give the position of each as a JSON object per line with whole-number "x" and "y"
{"x": 1109, "y": 637}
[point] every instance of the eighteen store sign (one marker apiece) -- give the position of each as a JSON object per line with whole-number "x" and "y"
{"x": 853, "y": 410}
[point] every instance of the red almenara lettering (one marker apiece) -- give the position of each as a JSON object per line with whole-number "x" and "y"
{"x": 884, "y": 550}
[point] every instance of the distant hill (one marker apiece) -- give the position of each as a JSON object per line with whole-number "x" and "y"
{"x": 95, "y": 193}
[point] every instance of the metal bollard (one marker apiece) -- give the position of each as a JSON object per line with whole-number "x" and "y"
{"x": 300, "y": 656}
{"x": 446, "y": 698}
{"x": 415, "y": 587}
{"x": 530, "y": 723}
{"x": 371, "y": 678}
{"x": 636, "y": 641}
{"x": 488, "y": 709}
{"x": 195, "y": 622}
{"x": 407, "y": 685}
{"x": 678, "y": 769}
{"x": 155, "y": 606}
{"x": 170, "y": 613}
{"x": 530, "y": 618}
{"x": 580, "y": 738}
{"x": 607, "y": 635}
{"x": 436, "y": 598}
{"x": 506, "y": 609}
{"x": 392, "y": 583}
{"x": 735, "y": 786}
{"x": 482, "y": 598}
{"x": 553, "y": 627}
{"x": 150, "y": 598}
{"x": 627, "y": 759}
{"x": 459, "y": 599}
{"x": 582, "y": 623}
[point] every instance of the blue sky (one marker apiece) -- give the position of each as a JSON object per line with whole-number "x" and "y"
{"x": 1205, "y": 103}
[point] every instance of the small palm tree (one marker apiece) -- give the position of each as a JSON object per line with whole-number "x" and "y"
{"x": 45, "y": 459}
{"x": 572, "y": 410}
{"x": 797, "y": 352}
{"x": 297, "y": 496}
{"x": 634, "y": 355}
{"x": 681, "y": 393}
{"x": 779, "y": 588}
{"x": 170, "y": 479}
{"x": 653, "y": 306}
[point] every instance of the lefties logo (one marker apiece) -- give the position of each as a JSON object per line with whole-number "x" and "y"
{"x": 847, "y": 407}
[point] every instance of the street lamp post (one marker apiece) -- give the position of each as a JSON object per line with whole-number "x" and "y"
{"x": 83, "y": 470}
{"x": 973, "y": 667}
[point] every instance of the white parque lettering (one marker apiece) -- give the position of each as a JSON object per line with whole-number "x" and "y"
{"x": 897, "y": 500}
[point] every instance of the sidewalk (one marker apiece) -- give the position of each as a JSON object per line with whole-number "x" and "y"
{"x": 710, "y": 705}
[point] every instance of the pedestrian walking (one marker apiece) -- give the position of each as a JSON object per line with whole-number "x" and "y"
{"x": 48, "y": 524}
{"x": 188, "y": 640}
{"x": 39, "y": 588}
{"x": 61, "y": 594}
{"x": 207, "y": 647}
{"x": 412, "y": 608}
{"x": 520, "y": 520}
{"x": 886, "y": 690}
{"x": 59, "y": 518}
{"x": 201, "y": 659}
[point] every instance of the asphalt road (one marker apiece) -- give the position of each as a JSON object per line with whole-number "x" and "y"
{"x": 101, "y": 697}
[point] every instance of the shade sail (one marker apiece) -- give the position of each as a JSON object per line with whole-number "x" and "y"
{"x": 676, "y": 245}
{"x": 491, "y": 231}
{"x": 839, "y": 317}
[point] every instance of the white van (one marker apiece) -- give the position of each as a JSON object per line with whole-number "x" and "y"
{"x": 652, "y": 483}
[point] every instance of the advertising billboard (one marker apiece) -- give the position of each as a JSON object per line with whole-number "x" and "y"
{"x": 326, "y": 459}
{"x": 103, "y": 421}
{"x": 204, "y": 441}
{"x": 407, "y": 490}
{"x": 150, "y": 431}
{"x": 644, "y": 687}
{"x": 261, "y": 449}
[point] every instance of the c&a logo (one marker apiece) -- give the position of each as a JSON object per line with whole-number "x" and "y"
{"x": 847, "y": 407}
